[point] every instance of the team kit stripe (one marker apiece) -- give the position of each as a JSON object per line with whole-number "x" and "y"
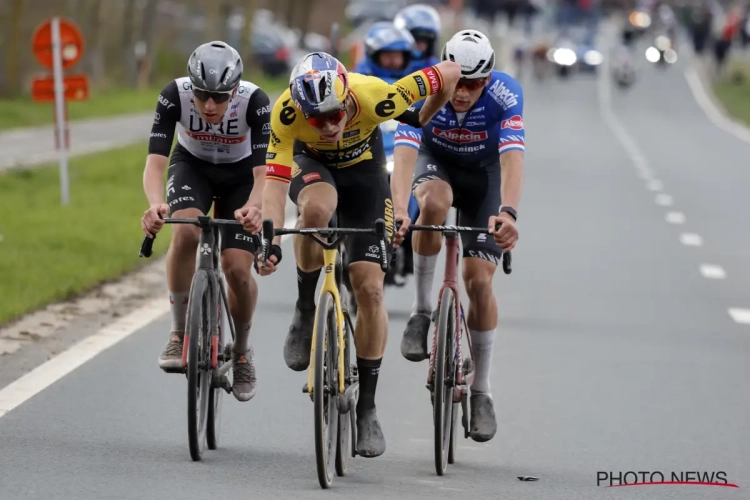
{"x": 278, "y": 172}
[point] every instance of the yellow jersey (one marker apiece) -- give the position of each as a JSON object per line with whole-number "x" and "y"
{"x": 375, "y": 101}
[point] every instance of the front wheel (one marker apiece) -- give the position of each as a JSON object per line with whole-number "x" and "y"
{"x": 325, "y": 384}
{"x": 198, "y": 333}
{"x": 444, "y": 378}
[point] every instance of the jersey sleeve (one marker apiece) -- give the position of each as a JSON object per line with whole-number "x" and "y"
{"x": 391, "y": 100}
{"x": 166, "y": 116}
{"x": 407, "y": 135}
{"x": 258, "y": 117}
{"x": 512, "y": 133}
{"x": 284, "y": 123}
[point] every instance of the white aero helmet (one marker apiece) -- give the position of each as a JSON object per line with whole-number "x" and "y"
{"x": 473, "y": 51}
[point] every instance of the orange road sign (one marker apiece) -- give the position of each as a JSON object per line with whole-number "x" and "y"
{"x": 76, "y": 88}
{"x": 72, "y": 43}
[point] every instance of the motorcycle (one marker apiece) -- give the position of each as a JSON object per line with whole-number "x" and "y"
{"x": 662, "y": 52}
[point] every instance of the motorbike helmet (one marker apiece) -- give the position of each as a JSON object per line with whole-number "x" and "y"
{"x": 423, "y": 22}
{"x": 385, "y": 36}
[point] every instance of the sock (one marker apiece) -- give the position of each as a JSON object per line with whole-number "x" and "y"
{"x": 306, "y": 285}
{"x": 482, "y": 343}
{"x": 178, "y": 303}
{"x": 424, "y": 272}
{"x": 241, "y": 337}
{"x": 368, "y": 381}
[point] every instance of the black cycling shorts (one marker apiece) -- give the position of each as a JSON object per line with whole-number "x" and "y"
{"x": 195, "y": 183}
{"x": 476, "y": 195}
{"x": 364, "y": 195}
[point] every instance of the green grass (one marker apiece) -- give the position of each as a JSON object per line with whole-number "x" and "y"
{"x": 733, "y": 89}
{"x": 49, "y": 252}
{"x": 24, "y": 112}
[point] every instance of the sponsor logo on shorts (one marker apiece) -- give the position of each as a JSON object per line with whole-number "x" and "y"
{"x": 514, "y": 122}
{"x": 373, "y": 251}
{"x": 421, "y": 85}
{"x": 295, "y": 168}
{"x": 484, "y": 256}
{"x": 312, "y": 176}
{"x": 460, "y": 135}
{"x": 180, "y": 200}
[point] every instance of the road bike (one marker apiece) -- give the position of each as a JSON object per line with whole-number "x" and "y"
{"x": 447, "y": 365}
{"x": 333, "y": 383}
{"x": 206, "y": 358}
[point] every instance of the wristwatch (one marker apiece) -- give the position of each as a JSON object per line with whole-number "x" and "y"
{"x": 511, "y": 211}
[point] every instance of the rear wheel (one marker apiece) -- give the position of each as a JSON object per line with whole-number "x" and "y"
{"x": 217, "y": 393}
{"x": 325, "y": 382}
{"x": 444, "y": 378}
{"x": 344, "y": 449}
{"x": 198, "y": 363}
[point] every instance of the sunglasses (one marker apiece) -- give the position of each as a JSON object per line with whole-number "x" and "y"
{"x": 205, "y": 95}
{"x": 320, "y": 121}
{"x": 471, "y": 84}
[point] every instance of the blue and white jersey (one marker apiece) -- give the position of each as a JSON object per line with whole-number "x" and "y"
{"x": 469, "y": 139}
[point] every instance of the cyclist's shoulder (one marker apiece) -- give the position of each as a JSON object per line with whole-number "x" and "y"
{"x": 182, "y": 85}
{"x": 503, "y": 91}
{"x": 248, "y": 89}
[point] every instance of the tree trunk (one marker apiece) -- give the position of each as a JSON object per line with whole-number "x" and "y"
{"x": 246, "y": 50}
{"x": 128, "y": 56}
{"x": 147, "y": 36}
{"x": 13, "y": 73}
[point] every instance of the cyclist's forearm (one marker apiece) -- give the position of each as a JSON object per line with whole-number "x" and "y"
{"x": 274, "y": 204}
{"x": 511, "y": 178}
{"x": 450, "y": 73}
{"x": 256, "y": 194}
{"x": 153, "y": 178}
{"x": 404, "y": 159}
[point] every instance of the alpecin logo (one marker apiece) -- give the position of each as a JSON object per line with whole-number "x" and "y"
{"x": 612, "y": 479}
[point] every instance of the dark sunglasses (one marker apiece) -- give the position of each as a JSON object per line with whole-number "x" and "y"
{"x": 205, "y": 95}
{"x": 320, "y": 121}
{"x": 471, "y": 84}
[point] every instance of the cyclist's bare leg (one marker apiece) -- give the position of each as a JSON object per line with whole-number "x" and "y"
{"x": 180, "y": 270}
{"x": 370, "y": 337}
{"x": 482, "y": 322}
{"x": 242, "y": 297}
{"x": 435, "y": 198}
{"x": 317, "y": 203}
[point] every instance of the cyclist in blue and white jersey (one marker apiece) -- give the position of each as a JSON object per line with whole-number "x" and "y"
{"x": 423, "y": 22}
{"x": 470, "y": 156}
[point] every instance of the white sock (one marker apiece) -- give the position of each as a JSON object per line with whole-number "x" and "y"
{"x": 178, "y": 303}
{"x": 482, "y": 344}
{"x": 424, "y": 272}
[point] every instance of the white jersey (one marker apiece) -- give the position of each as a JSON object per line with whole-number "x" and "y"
{"x": 242, "y": 133}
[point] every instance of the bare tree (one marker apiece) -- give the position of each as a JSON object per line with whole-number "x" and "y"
{"x": 13, "y": 48}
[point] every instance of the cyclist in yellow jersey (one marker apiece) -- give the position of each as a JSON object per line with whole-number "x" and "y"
{"x": 327, "y": 152}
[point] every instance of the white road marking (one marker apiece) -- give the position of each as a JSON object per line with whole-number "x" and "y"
{"x": 740, "y": 315}
{"x": 735, "y": 128}
{"x": 691, "y": 239}
{"x": 675, "y": 217}
{"x": 655, "y": 185}
{"x": 713, "y": 271}
{"x": 46, "y": 374}
{"x": 646, "y": 174}
{"x": 664, "y": 200}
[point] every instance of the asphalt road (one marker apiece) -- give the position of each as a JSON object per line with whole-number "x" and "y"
{"x": 614, "y": 353}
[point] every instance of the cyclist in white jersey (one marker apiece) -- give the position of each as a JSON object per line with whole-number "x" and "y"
{"x": 223, "y": 127}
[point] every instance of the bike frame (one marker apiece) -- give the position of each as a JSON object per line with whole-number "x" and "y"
{"x": 450, "y": 280}
{"x": 330, "y": 256}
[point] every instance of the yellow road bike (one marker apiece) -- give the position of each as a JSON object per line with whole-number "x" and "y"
{"x": 333, "y": 383}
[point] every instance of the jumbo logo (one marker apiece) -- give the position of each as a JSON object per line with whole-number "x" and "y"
{"x": 460, "y": 135}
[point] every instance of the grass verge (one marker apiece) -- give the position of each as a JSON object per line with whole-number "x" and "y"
{"x": 733, "y": 89}
{"x": 24, "y": 112}
{"x": 49, "y": 252}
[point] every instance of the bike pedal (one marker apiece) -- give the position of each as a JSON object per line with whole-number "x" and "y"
{"x": 304, "y": 389}
{"x": 225, "y": 384}
{"x": 182, "y": 369}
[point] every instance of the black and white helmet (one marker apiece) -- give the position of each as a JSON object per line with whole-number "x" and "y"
{"x": 473, "y": 51}
{"x": 215, "y": 67}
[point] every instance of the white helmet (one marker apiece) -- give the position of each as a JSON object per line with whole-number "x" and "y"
{"x": 473, "y": 51}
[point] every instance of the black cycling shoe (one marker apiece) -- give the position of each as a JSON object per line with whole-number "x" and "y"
{"x": 414, "y": 341}
{"x": 299, "y": 339}
{"x": 483, "y": 423}
{"x": 370, "y": 439}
